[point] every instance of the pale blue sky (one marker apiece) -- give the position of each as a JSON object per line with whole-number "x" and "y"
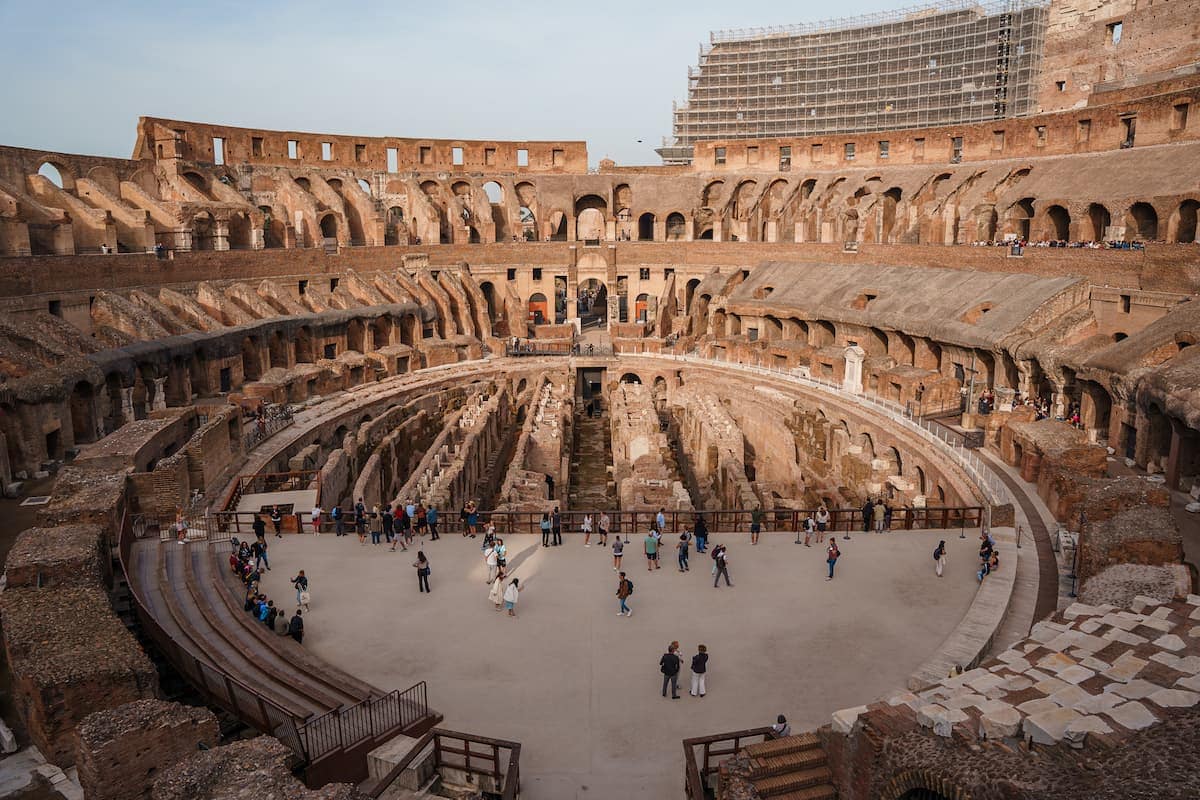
{"x": 77, "y": 75}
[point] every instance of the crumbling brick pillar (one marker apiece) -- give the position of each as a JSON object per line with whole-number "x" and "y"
{"x": 121, "y": 751}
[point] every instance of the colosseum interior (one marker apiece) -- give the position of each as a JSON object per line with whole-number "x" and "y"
{"x": 986, "y": 327}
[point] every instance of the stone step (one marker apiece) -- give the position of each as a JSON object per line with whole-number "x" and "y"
{"x": 777, "y": 785}
{"x": 824, "y": 791}
{"x": 787, "y": 762}
{"x": 777, "y": 747}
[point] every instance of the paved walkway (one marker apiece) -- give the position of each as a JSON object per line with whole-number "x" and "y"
{"x": 579, "y": 686}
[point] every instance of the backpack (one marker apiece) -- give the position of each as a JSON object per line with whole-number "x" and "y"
{"x": 336, "y": 513}
{"x": 629, "y": 585}
{"x": 937, "y": 553}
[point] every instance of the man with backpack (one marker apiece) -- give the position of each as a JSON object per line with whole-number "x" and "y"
{"x": 624, "y": 590}
{"x": 939, "y": 557}
{"x": 720, "y": 566}
{"x": 339, "y": 525}
{"x": 669, "y": 666}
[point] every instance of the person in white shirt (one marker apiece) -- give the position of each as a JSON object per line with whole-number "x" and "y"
{"x": 781, "y": 727}
{"x": 587, "y": 530}
{"x": 511, "y": 595}
{"x": 493, "y": 559}
{"x": 316, "y": 518}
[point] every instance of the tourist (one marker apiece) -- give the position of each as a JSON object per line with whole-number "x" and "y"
{"x": 755, "y": 524}
{"x": 397, "y": 538}
{"x": 388, "y": 520}
{"x": 431, "y": 517}
{"x": 699, "y": 670}
{"x": 259, "y": 551}
{"x": 281, "y": 624}
{"x": 301, "y": 584}
{"x": 939, "y": 557}
{"x": 360, "y": 521}
{"x": 259, "y": 527}
{"x": 501, "y": 554}
{"x": 496, "y": 593}
{"x": 296, "y": 628}
{"x": 669, "y": 666}
{"x": 660, "y": 520}
{"x": 822, "y": 520}
{"x": 272, "y": 615}
{"x": 317, "y": 512}
{"x": 493, "y": 564}
{"x": 511, "y": 595}
{"x": 887, "y": 516}
{"x": 720, "y": 565}
{"x": 472, "y": 518}
{"x": 410, "y": 510}
{"x": 339, "y": 523}
{"x": 624, "y": 589}
{"x": 265, "y": 609}
{"x": 810, "y": 526}
{"x": 618, "y": 550}
{"x": 556, "y": 526}
{"x": 602, "y": 527}
{"x": 682, "y": 547}
{"x": 376, "y": 525}
{"x": 587, "y": 530}
{"x": 181, "y": 526}
{"x": 420, "y": 520}
{"x": 781, "y": 728}
{"x": 489, "y": 537}
{"x": 879, "y": 516}
{"x": 701, "y": 531}
{"x": 422, "y": 565}
{"x": 650, "y": 546}
{"x": 277, "y": 521}
{"x": 868, "y": 511}
{"x": 832, "y": 554}
{"x": 545, "y": 528}
{"x": 402, "y": 523}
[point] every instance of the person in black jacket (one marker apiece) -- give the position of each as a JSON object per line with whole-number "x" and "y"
{"x": 699, "y": 668}
{"x": 296, "y": 628}
{"x": 669, "y": 666}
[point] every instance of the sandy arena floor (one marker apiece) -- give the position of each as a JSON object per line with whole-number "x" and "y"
{"x": 579, "y": 686}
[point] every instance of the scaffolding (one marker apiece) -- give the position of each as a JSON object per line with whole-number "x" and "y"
{"x": 944, "y": 64}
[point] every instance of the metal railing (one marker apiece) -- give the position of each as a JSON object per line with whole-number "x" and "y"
{"x": 497, "y": 760}
{"x": 264, "y": 428}
{"x": 989, "y": 485}
{"x": 697, "y": 771}
{"x": 335, "y": 733}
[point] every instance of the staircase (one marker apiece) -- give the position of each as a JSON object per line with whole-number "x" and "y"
{"x": 792, "y": 768}
{"x": 591, "y": 458}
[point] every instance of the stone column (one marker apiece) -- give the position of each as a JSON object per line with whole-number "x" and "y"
{"x": 127, "y": 413}
{"x": 1174, "y": 454}
{"x": 221, "y": 234}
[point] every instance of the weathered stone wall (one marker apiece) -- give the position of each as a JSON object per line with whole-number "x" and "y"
{"x": 1135, "y": 552}
{"x": 121, "y": 751}
{"x": 69, "y": 555}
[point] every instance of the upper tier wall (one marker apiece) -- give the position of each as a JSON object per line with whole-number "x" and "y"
{"x": 1090, "y": 129}
{"x": 163, "y": 139}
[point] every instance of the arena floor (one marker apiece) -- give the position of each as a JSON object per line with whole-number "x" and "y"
{"x": 579, "y": 686}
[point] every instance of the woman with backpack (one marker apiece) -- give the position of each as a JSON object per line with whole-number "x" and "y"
{"x": 939, "y": 557}
{"x": 618, "y": 551}
{"x": 831, "y": 556}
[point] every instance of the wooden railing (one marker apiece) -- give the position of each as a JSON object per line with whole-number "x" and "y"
{"x": 712, "y": 749}
{"x": 498, "y": 760}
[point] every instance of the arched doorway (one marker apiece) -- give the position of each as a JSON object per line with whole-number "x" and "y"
{"x": 251, "y": 359}
{"x": 1058, "y": 223}
{"x": 1143, "y": 222}
{"x": 590, "y": 212}
{"x": 676, "y": 227}
{"x": 630, "y": 377}
{"x": 646, "y": 227}
{"x": 394, "y": 228}
{"x": 689, "y": 293}
{"x": 539, "y": 309}
{"x": 274, "y": 233}
{"x": 329, "y": 227}
{"x": 1098, "y": 220}
{"x": 355, "y": 336}
{"x": 1185, "y": 225}
{"x": 592, "y": 300}
{"x": 83, "y": 410}
{"x": 641, "y": 308}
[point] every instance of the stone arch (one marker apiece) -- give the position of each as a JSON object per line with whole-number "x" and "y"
{"x": 1142, "y": 223}
{"x": 712, "y": 194}
{"x": 591, "y": 216}
{"x": 83, "y": 412}
{"x": 772, "y": 328}
{"x": 676, "y": 227}
{"x": 356, "y": 338}
{"x": 394, "y": 225}
{"x": 251, "y": 359}
{"x": 381, "y": 332}
{"x": 200, "y": 184}
{"x": 1058, "y": 223}
{"x": 888, "y": 207}
{"x": 202, "y": 231}
{"x": 1020, "y": 216}
{"x": 55, "y": 172}
{"x": 895, "y": 464}
{"x": 630, "y": 377}
{"x": 1183, "y": 222}
{"x": 277, "y": 348}
{"x": 240, "y": 237}
{"x": 305, "y": 352}
{"x": 328, "y": 225}
{"x": 558, "y": 226}
{"x": 823, "y": 333}
{"x": 274, "y": 230}
{"x": 646, "y": 227}
{"x": 540, "y": 312}
{"x": 689, "y": 293}
{"x": 1096, "y": 221}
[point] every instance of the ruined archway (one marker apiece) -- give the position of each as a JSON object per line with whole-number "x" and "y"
{"x": 1143, "y": 223}
{"x": 1058, "y": 223}
{"x": 1096, "y": 222}
{"x": 646, "y": 227}
{"x": 1185, "y": 222}
{"x": 592, "y": 303}
{"x": 676, "y": 227}
{"x": 539, "y": 309}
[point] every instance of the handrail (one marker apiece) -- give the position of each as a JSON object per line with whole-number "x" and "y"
{"x": 694, "y": 776}
{"x": 508, "y": 776}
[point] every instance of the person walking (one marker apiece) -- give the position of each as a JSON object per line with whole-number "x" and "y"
{"x": 624, "y": 589}
{"x": 511, "y": 595}
{"x": 301, "y": 584}
{"x": 756, "y": 517}
{"x": 397, "y": 536}
{"x": 832, "y": 554}
{"x": 431, "y": 517}
{"x": 682, "y": 547}
{"x": 420, "y": 521}
{"x": 496, "y": 593}
{"x": 939, "y": 557}
{"x": 587, "y": 530}
{"x": 720, "y": 566}
{"x": 618, "y": 551}
{"x": 501, "y": 554}
{"x": 668, "y": 665}
{"x": 699, "y": 670}
{"x": 277, "y": 521}
{"x": 259, "y": 527}
{"x": 545, "y": 527}
{"x": 259, "y": 550}
{"x": 701, "y": 531}
{"x": 422, "y": 565}
{"x": 602, "y": 527}
{"x": 493, "y": 564}
{"x": 556, "y": 526}
{"x": 650, "y": 545}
